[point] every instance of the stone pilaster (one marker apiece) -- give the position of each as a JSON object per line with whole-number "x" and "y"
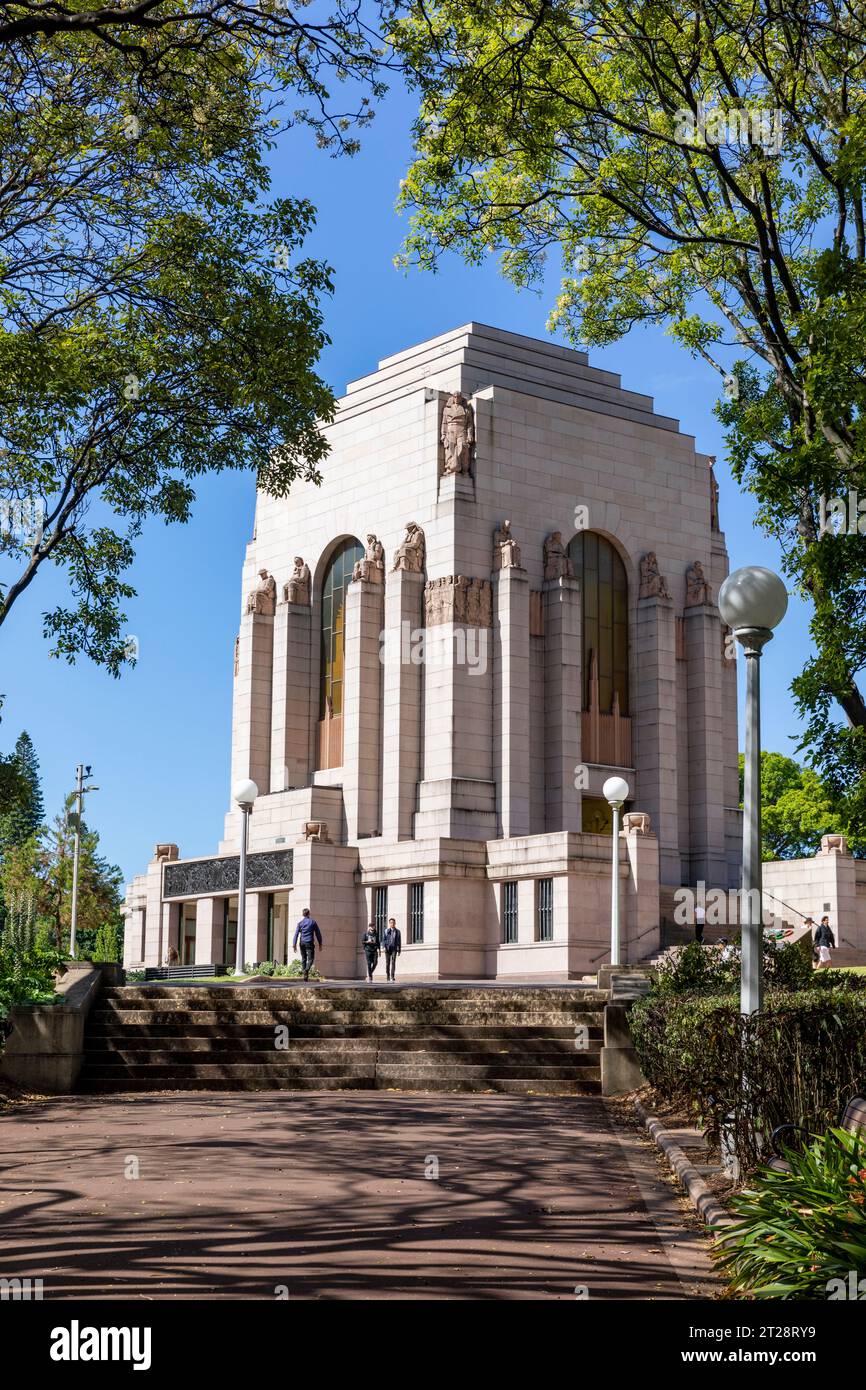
{"x": 706, "y": 729}
{"x": 654, "y": 728}
{"x": 170, "y": 931}
{"x": 640, "y": 912}
{"x": 403, "y": 697}
{"x": 362, "y": 710}
{"x": 209, "y": 916}
{"x": 562, "y": 682}
{"x": 256, "y": 928}
{"x": 457, "y": 796}
{"x": 251, "y": 710}
{"x": 512, "y": 712}
{"x": 292, "y": 711}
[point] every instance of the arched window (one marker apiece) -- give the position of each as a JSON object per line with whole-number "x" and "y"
{"x": 604, "y": 594}
{"x": 338, "y": 576}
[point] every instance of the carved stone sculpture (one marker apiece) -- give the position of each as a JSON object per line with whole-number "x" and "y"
{"x": 697, "y": 586}
{"x": 409, "y": 554}
{"x": 557, "y": 564}
{"x": 457, "y": 434}
{"x": 371, "y": 570}
{"x": 457, "y": 599}
{"x": 298, "y": 589}
{"x": 652, "y": 582}
{"x": 166, "y": 853}
{"x": 636, "y": 823}
{"x": 317, "y": 830}
{"x": 506, "y": 551}
{"x": 237, "y": 653}
{"x": 263, "y": 598}
{"x": 714, "y": 496}
{"x": 834, "y": 844}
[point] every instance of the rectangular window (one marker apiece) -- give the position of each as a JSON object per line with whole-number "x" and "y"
{"x": 544, "y": 909}
{"x": 380, "y": 910}
{"x": 416, "y": 914}
{"x": 509, "y": 913}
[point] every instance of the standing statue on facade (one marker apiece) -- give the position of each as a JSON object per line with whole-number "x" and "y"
{"x": 714, "y": 495}
{"x": 297, "y": 590}
{"x": 557, "y": 564}
{"x": 506, "y": 551}
{"x": 652, "y": 582}
{"x": 263, "y": 598}
{"x": 697, "y": 587}
{"x": 409, "y": 554}
{"x": 372, "y": 568}
{"x": 457, "y": 434}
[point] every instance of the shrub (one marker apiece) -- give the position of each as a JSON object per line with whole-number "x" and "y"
{"x": 802, "y": 1229}
{"x": 696, "y": 969}
{"x": 107, "y": 945}
{"x": 292, "y": 971}
{"x": 796, "y": 1061}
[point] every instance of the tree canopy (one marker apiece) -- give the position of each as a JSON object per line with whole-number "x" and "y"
{"x": 158, "y": 318}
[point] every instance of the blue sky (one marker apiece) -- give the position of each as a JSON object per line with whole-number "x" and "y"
{"x": 158, "y": 738}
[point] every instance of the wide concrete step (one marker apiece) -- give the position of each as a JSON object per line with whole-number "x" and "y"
{"x": 473, "y": 1040}
{"x": 391, "y": 1073}
{"x": 122, "y": 1018}
{"x": 101, "y": 1085}
{"x": 386, "y": 996}
{"x": 337, "y": 1057}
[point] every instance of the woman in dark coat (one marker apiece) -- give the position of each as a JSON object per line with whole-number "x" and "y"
{"x": 370, "y": 943}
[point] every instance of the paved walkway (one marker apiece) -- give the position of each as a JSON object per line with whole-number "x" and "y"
{"x": 325, "y": 1193}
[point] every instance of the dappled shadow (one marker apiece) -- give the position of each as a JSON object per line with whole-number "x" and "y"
{"x": 326, "y": 1194}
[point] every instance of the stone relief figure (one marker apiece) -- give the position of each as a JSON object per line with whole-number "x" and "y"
{"x": 263, "y": 598}
{"x": 652, "y": 582}
{"x": 714, "y": 495}
{"x": 456, "y": 599}
{"x": 457, "y": 434}
{"x": 237, "y": 653}
{"x": 557, "y": 565}
{"x": 166, "y": 853}
{"x": 298, "y": 588}
{"x": 409, "y": 554}
{"x": 506, "y": 551}
{"x": 372, "y": 568}
{"x": 636, "y": 823}
{"x": 697, "y": 586}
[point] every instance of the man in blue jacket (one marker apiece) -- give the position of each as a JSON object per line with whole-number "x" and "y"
{"x": 308, "y": 931}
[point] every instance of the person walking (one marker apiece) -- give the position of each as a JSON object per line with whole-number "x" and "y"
{"x": 700, "y": 918}
{"x": 370, "y": 943}
{"x": 308, "y": 932}
{"x": 825, "y": 941}
{"x": 393, "y": 943}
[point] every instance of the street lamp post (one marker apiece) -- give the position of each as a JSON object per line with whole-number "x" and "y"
{"x": 615, "y": 792}
{"x": 81, "y": 772}
{"x": 245, "y": 795}
{"x": 752, "y": 601}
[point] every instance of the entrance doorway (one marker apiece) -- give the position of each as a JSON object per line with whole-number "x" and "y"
{"x": 230, "y": 930}
{"x": 187, "y": 934}
{"x": 278, "y": 928}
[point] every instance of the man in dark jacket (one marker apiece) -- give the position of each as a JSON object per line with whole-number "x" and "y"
{"x": 308, "y": 931}
{"x": 392, "y": 942}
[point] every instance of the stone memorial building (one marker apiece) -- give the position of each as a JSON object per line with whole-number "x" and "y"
{"x": 502, "y": 593}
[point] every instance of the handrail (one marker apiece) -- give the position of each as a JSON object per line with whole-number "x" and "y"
{"x": 765, "y": 892}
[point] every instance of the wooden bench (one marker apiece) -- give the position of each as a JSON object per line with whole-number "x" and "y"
{"x": 853, "y": 1118}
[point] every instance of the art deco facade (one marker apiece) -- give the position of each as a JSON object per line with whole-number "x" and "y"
{"x": 503, "y": 592}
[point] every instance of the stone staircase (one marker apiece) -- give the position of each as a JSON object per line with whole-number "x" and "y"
{"x": 249, "y": 1038}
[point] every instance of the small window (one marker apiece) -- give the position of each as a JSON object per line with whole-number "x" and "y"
{"x": 544, "y": 909}
{"x": 380, "y": 910}
{"x": 416, "y": 914}
{"x": 509, "y": 913}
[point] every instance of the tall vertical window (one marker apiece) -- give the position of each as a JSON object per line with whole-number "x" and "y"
{"x": 604, "y": 593}
{"x": 509, "y": 913}
{"x": 338, "y": 576}
{"x": 416, "y": 914}
{"x": 544, "y": 909}
{"x": 380, "y": 910}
